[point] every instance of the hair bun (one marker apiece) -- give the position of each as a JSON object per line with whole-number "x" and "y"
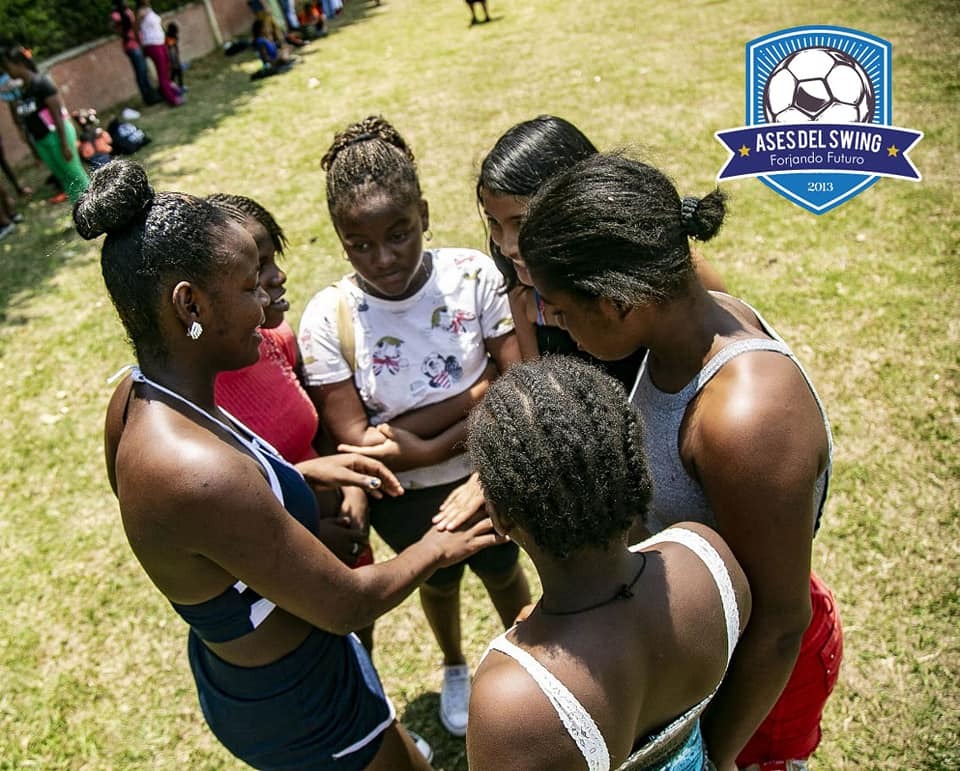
{"x": 701, "y": 218}
{"x": 118, "y": 196}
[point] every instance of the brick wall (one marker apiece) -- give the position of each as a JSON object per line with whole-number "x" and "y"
{"x": 99, "y": 74}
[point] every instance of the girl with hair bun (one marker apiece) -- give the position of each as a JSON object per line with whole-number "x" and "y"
{"x": 224, "y": 527}
{"x": 396, "y": 354}
{"x": 735, "y": 433}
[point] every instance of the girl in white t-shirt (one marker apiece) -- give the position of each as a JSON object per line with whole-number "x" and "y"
{"x": 396, "y": 354}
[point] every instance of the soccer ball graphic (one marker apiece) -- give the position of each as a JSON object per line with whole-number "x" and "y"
{"x": 818, "y": 84}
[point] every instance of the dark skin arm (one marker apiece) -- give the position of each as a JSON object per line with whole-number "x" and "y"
{"x": 760, "y": 485}
{"x": 424, "y": 421}
{"x": 55, "y": 106}
{"x": 520, "y": 299}
{"x": 218, "y": 519}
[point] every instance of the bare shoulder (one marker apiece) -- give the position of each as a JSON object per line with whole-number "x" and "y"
{"x": 167, "y": 466}
{"x": 512, "y": 724}
{"x": 730, "y": 565}
{"x": 755, "y": 414}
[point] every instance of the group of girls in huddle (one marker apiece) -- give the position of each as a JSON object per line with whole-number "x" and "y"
{"x": 661, "y": 530}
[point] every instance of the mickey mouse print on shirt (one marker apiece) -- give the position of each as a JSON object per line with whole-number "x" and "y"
{"x": 411, "y": 352}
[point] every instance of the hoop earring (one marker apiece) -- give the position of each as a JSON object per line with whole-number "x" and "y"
{"x": 427, "y": 235}
{"x": 195, "y": 330}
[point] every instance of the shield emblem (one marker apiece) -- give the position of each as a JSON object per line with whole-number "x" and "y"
{"x": 818, "y": 117}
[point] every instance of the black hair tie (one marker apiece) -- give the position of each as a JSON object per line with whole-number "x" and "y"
{"x": 688, "y": 207}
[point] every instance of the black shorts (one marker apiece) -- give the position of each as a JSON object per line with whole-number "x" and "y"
{"x": 403, "y": 521}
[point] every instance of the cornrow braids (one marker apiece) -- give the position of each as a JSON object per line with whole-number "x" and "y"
{"x": 239, "y": 207}
{"x": 559, "y": 451}
{"x": 369, "y": 155}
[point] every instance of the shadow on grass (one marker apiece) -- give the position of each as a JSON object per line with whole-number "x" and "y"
{"x": 422, "y": 715}
{"x": 219, "y": 86}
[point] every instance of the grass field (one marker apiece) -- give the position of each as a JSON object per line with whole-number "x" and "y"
{"x": 94, "y": 672}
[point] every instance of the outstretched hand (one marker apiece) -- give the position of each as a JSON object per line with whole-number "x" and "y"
{"x": 354, "y": 470}
{"x": 457, "y": 545}
{"x": 463, "y": 503}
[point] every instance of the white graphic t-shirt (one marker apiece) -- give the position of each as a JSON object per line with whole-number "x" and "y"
{"x": 412, "y": 352}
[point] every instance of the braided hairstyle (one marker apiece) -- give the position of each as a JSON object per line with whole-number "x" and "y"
{"x": 369, "y": 156}
{"x": 153, "y": 241}
{"x": 559, "y": 450}
{"x": 616, "y": 228}
{"x": 525, "y": 157}
{"x": 240, "y": 208}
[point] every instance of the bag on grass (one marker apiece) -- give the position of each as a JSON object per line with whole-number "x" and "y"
{"x": 127, "y": 138}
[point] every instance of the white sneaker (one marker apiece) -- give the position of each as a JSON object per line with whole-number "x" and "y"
{"x": 455, "y": 699}
{"x": 6, "y": 230}
{"x": 422, "y": 745}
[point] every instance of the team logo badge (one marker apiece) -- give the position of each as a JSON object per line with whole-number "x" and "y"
{"x": 819, "y": 117}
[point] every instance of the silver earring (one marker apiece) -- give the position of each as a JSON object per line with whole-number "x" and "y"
{"x": 195, "y": 330}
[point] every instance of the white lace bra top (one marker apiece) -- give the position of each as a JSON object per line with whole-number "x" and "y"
{"x": 575, "y": 718}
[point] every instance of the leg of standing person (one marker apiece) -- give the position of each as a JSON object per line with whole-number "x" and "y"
{"x": 158, "y": 55}
{"x": 147, "y": 92}
{"x": 441, "y": 606}
{"x": 6, "y": 216}
{"x": 509, "y": 592}
{"x": 398, "y": 751}
{"x": 8, "y": 172}
{"x": 70, "y": 174}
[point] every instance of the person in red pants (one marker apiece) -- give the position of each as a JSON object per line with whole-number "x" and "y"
{"x": 154, "y": 42}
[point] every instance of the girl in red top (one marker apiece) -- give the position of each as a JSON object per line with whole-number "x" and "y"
{"x": 267, "y": 396}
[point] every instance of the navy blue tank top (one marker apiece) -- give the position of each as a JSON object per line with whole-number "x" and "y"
{"x": 239, "y": 610}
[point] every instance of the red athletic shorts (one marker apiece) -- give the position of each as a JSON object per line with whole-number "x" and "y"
{"x": 792, "y": 729}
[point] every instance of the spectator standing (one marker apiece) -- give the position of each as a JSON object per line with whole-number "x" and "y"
{"x": 173, "y": 53}
{"x": 473, "y": 11}
{"x": 154, "y": 42}
{"x": 125, "y": 25}
{"x": 47, "y": 123}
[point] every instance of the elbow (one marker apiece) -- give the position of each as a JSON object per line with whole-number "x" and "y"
{"x": 790, "y": 634}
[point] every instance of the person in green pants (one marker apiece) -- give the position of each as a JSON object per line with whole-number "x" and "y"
{"x": 47, "y": 122}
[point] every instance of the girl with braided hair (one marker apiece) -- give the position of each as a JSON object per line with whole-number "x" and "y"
{"x": 395, "y": 355}
{"x": 626, "y": 646}
{"x": 224, "y": 526}
{"x": 736, "y": 435}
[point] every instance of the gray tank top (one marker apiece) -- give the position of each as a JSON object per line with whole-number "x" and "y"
{"x": 677, "y": 497}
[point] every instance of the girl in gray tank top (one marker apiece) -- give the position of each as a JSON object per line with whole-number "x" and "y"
{"x": 677, "y": 496}
{"x": 735, "y": 433}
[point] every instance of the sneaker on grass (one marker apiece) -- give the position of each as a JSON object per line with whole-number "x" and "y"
{"x": 422, "y": 745}
{"x": 455, "y": 699}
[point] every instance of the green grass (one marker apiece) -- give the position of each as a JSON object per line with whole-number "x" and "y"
{"x": 94, "y": 672}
